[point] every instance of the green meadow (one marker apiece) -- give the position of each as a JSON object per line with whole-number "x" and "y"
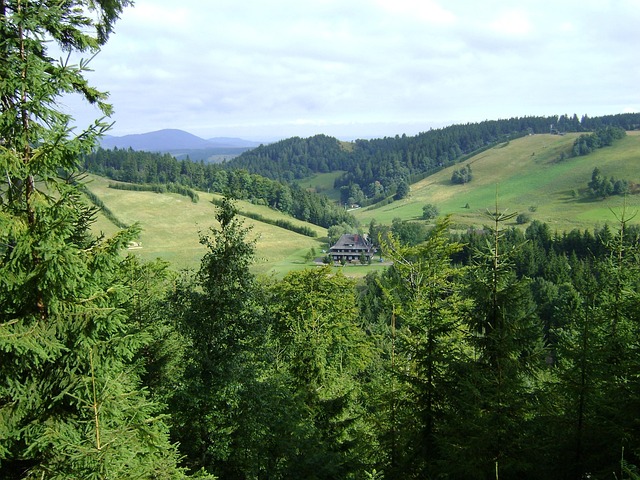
{"x": 525, "y": 175}
{"x": 171, "y": 226}
{"x": 322, "y": 183}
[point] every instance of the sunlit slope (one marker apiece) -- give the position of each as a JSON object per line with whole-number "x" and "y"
{"x": 529, "y": 178}
{"x": 170, "y": 225}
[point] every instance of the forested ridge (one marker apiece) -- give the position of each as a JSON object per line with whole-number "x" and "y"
{"x": 376, "y": 168}
{"x": 491, "y": 354}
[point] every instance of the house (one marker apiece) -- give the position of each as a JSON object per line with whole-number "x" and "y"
{"x": 351, "y": 247}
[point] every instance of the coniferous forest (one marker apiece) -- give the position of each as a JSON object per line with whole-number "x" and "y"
{"x": 497, "y": 353}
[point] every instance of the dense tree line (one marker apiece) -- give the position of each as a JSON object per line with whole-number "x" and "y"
{"x": 602, "y": 187}
{"x": 496, "y": 352}
{"x": 295, "y": 158}
{"x": 376, "y": 168}
{"x": 144, "y": 168}
{"x": 279, "y": 222}
{"x": 158, "y": 188}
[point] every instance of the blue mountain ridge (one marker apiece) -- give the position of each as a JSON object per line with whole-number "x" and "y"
{"x": 171, "y": 140}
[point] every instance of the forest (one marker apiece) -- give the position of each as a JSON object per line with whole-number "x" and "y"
{"x": 376, "y": 169}
{"x": 496, "y": 353}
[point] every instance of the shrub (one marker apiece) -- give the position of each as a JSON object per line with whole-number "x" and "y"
{"x": 429, "y": 211}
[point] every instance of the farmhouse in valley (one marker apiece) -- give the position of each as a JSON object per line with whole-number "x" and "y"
{"x": 352, "y": 248}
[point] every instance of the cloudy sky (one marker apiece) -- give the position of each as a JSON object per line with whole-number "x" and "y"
{"x": 363, "y": 68}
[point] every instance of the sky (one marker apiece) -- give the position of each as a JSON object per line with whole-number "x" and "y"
{"x": 266, "y": 70}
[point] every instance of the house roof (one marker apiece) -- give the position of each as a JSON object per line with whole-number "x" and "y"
{"x": 352, "y": 240}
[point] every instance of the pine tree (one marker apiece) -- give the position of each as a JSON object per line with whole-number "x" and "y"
{"x": 492, "y": 406}
{"x": 71, "y": 400}
{"x": 424, "y": 290}
{"x": 220, "y": 318}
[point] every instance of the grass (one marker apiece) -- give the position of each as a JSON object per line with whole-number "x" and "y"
{"x": 171, "y": 225}
{"x": 524, "y": 175}
{"x": 323, "y": 183}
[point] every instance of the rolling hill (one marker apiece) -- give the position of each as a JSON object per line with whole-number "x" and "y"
{"x": 171, "y": 225}
{"x": 524, "y": 175}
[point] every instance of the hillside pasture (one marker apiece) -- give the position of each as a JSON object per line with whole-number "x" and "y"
{"x": 322, "y": 183}
{"x": 526, "y": 176}
{"x": 171, "y": 224}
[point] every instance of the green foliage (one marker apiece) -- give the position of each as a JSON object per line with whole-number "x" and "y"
{"x": 410, "y": 233}
{"x": 278, "y": 222}
{"x": 402, "y": 190}
{"x": 72, "y": 403}
{"x": 430, "y": 211}
{"x": 141, "y": 168}
{"x": 602, "y": 137}
{"x": 462, "y": 175}
{"x": 602, "y": 187}
{"x": 491, "y": 353}
{"x": 158, "y": 188}
{"x": 498, "y": 379}
{"x": 376, "y": 167}
{"x": 423, "y": 289}
{"x": 334, "y": 232}
{"x": 323, "y": 350}
{"x": 217, "y": 314}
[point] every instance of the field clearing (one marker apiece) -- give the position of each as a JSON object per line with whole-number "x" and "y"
{"x": 171, "y": 224}
{"x": 322, "y": 183}
{"x": 525, "y": 176}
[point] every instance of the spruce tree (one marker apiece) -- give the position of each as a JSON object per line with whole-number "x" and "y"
{"x": 220, "y": 318}
{"x": 492, "y": 406}
{"x": 598, "y": 363}
{"x": 320, "y": 353}
{"x": 72, "y": 404}
{"x": 424, "y": 289}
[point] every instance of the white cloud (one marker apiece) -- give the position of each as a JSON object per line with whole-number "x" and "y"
{"x": 348, "y": 68}
{"x": 512, "y": 23}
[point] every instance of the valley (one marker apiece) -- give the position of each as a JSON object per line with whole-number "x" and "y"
{"x": 524, "y": 175}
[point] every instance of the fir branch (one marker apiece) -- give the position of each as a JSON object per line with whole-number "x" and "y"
{"x": 95, "y": 401}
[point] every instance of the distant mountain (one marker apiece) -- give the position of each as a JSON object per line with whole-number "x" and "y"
{"x": 173, "y": 140}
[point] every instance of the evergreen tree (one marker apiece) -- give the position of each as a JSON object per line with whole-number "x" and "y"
{"x": 72, "y": 404}
{"x": 598, "y": 364}
{"x": 217, "y": 314}
{"x": 492, "y": 407}
{"x": 423, "y": 288}
{"x": 321, "y": 352}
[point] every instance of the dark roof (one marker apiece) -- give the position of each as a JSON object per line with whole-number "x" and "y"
{"x": 352, "y": 240}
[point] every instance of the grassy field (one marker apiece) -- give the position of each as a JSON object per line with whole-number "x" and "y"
{"x": 524, "y": 175}
{"x": 323, "y": 183}
{"x": 171, "y": 224}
